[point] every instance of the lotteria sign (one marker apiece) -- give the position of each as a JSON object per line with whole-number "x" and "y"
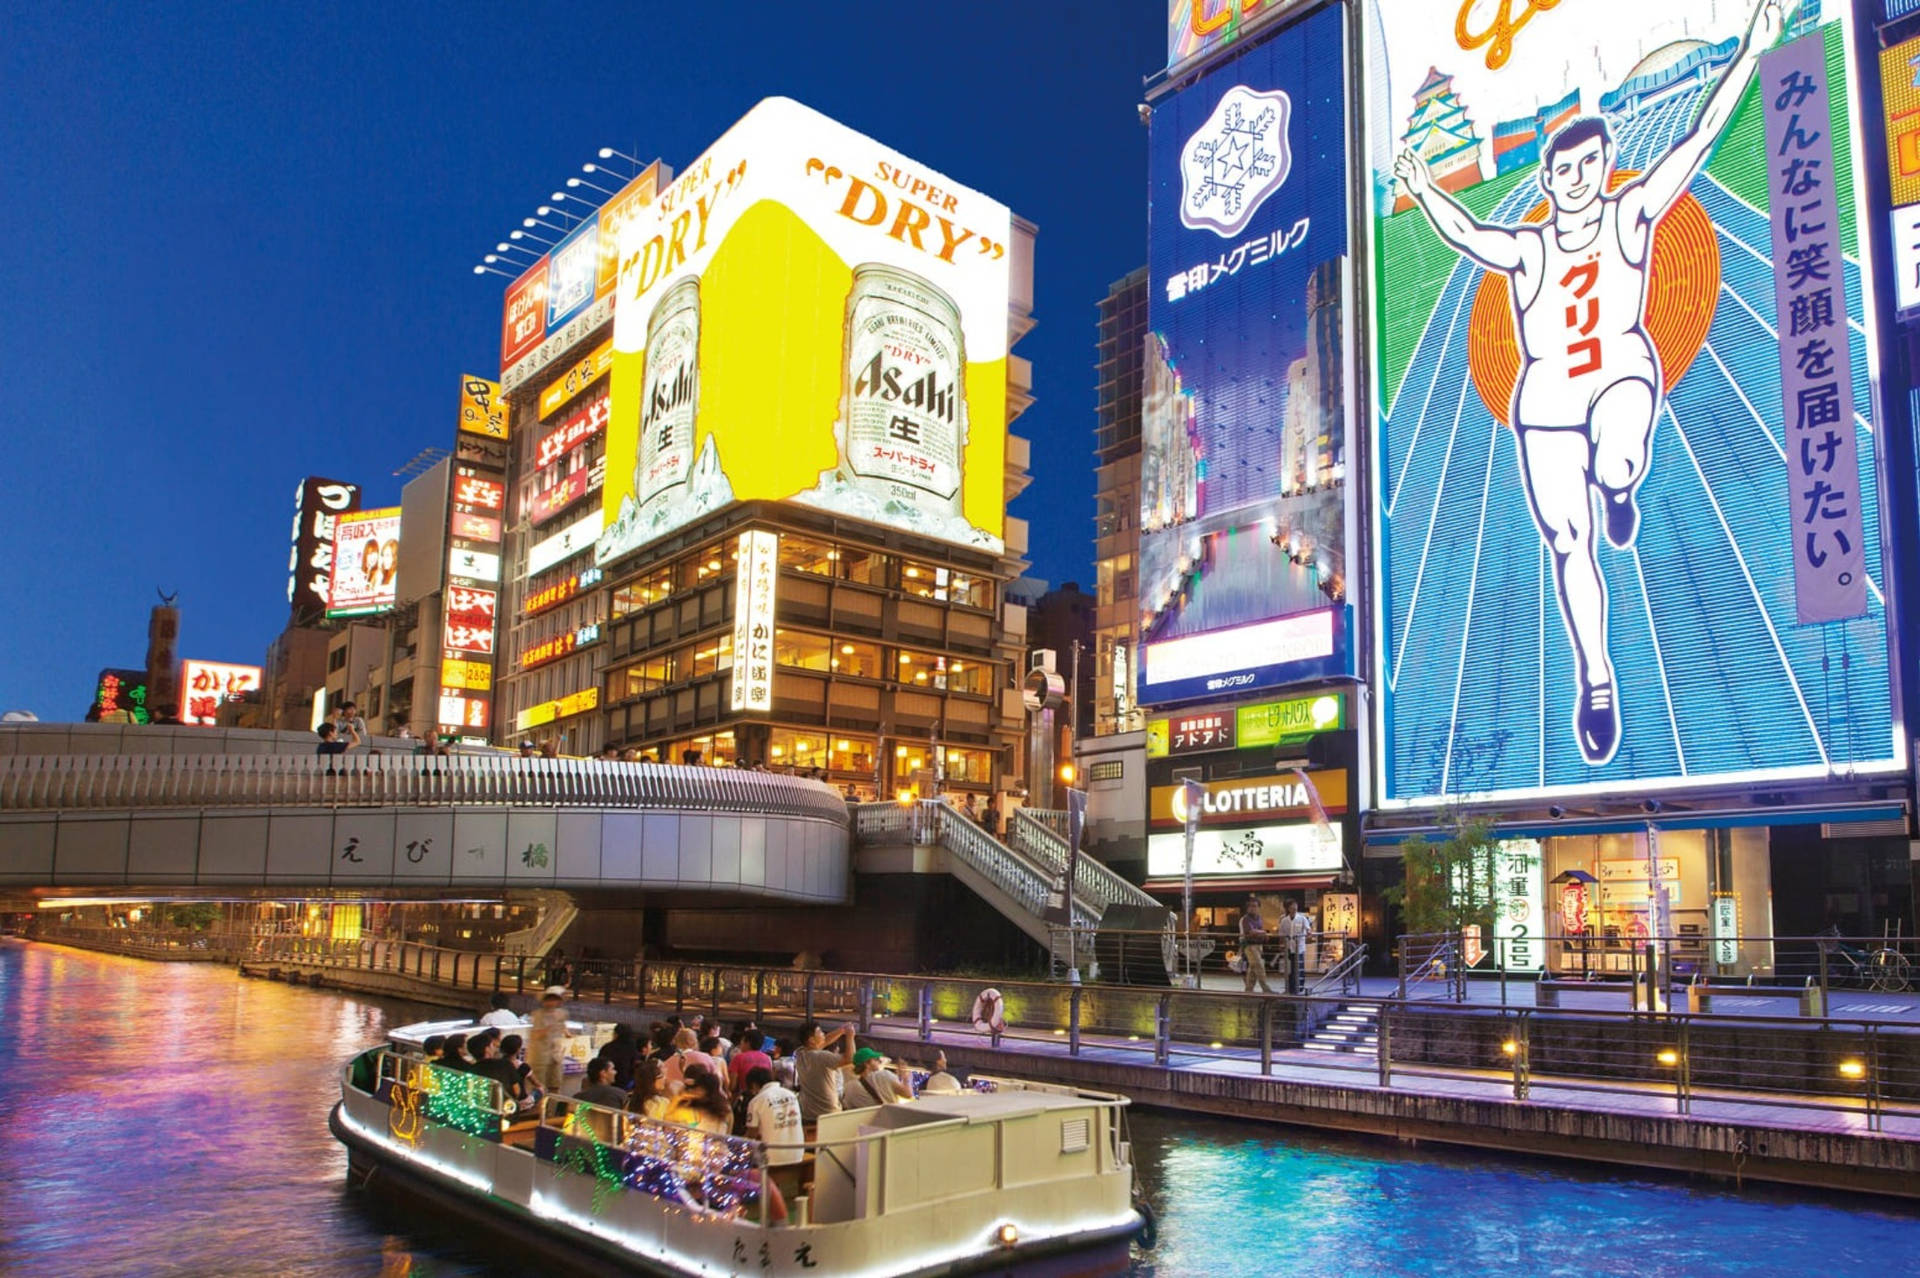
{"x": 1244, "y": 800}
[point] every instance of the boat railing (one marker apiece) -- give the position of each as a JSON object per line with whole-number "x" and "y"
{"x": 732, "y": 1175}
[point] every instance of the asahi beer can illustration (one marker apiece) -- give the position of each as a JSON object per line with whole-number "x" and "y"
{"x": 670, "y": 393}
{"x": 904, "y": 414}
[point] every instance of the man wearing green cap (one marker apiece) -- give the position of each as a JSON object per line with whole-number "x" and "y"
{"x": 873, "y": 1083}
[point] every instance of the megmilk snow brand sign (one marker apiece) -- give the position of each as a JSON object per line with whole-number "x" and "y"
{"x": 1244, "y": 433}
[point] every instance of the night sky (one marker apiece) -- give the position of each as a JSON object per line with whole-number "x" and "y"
{"x": 238, "y": 245}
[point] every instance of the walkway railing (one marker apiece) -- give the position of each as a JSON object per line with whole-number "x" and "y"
{"x": 1660, "y": 968}
{"x": 1848, "y": 1064}
{"x": 67, "y": 782}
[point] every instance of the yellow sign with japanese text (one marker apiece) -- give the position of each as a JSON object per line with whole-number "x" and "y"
{"x": 561, "y": 390}
{"x": 470, "y": 676}
{"x": 483, "y": 409}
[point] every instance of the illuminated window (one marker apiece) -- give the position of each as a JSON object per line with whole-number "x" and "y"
{"x": 803, "y": 554}
{"x": 642, "y": 677}
{"x": 859, "y": 660}
{"x": 803, "y": 750}
{"x": 931, "y": 672}
{"x": 636, "y": 595}
{"x": 1107, "y": 770}
{"x": 970, "y": 765}
{"x": 863, "y": 566}
{"x": 709, "y": 564}
{"x": 803, "y": 651}
{"x": 710, "y": 656}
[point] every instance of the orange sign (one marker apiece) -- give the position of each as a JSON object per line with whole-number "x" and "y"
{"x": 1900, "y": 89}
{"x": 483, "y": 410}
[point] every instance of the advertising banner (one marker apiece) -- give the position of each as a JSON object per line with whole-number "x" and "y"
{"x": 1194, "y": 26}
{"x": 1900, "y": 95}
{"x": 1244, "y": 800}
{"x": 475, "y": 527}
{"x": 206, "y": 685}
{"x": 523, "y": 321}
{"x": 478, "y": 493}
{"x": 550, "y": 501}
{"x": 582, "y": 424}
{"x": 1829, "y": 541}
{"x": 317, "y": 504}
{"x": 571, "y": 268}
{"x": 460, "y": 675}
{"x": 469, "y": 620}
{"x": 483, "y": 409}
{"x": 807, "y": 315}
{"x": 757, "y": 563}
{"x": 568, "y": 542}
{"x": 1249, "y": 850}
{"x": 473, "y": 565}
{"x": 1586, "y": 550}
{"x": 1243, "y": 462}
{"x": 595, "y": 364}
{"x": 366, "y": 559}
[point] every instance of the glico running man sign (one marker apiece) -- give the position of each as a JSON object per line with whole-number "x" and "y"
{"x": 1243, "y": 461}
{"x": 1625, "y": 494}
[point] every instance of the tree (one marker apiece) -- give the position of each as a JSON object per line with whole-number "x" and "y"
{"x": 1450, "y": 883}
{"x": 197, "y": 917}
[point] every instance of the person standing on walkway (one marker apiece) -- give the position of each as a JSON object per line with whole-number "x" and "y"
{"x": 1294, "y": 930}
{"x": 1253, "y": 942}
{"x": 547, "y": 1042}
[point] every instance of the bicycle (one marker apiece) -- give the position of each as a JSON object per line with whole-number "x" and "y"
{"x": 1885, "y": 969}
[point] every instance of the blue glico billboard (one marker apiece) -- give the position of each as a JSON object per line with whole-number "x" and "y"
{"x": 1245, "y": 525}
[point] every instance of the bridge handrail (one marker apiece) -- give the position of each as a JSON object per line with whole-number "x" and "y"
{"x": 64, "y": 782}
{"x": 1014, "y": 871}
{"x": 1094, "y": 881}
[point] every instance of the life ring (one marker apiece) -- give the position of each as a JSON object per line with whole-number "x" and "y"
{"x": 1149, "y": 1231}
{"x": 989, "y": 1014}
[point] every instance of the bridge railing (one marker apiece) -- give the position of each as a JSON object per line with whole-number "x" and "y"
{"x": 1849, "y": 1064}
{"x": 68, "y": 782}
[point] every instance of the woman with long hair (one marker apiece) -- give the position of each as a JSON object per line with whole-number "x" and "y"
{"x": 703, "y": 1103}
{"x": 649, "y": 1098}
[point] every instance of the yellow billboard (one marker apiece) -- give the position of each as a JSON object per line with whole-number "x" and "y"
{"x": 806, "y": 315}
{"x": 483, "y": 410}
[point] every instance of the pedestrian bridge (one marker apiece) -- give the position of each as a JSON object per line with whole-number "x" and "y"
{"x": 186, "y": 808}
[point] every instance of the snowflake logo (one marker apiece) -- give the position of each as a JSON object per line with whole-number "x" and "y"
{"x": 1233, "y": 162}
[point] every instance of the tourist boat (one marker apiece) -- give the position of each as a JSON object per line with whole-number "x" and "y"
{"x": 1007, "y": 1178}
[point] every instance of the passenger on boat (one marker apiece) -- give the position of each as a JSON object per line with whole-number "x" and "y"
{"x": 623, "y": 1051}
{"x": 547, "y": 1044}
{"x": 703, "y": 1104}
{"x": 783, "y": 1070}
{"x": 599, "y": 1088}
{"x": 939, "y": 1081}
{"x": 482, "y": 1047}
{"x": 502, "y": 1014}
{"x": 817, "y": 1068}
{"x": 433, "y": 1046}
{"x": 773, "y": 1116}
{"x": 686, "y": 1053}
{"x": 873, "y": 1083}
{"x": 746, "y": 1058}
{"x": 649, "y": 1098}
{"x": 513, "y": 1051}
{"x": 453, "y": 1052}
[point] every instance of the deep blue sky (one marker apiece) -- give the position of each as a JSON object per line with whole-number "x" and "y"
{"x": 238, "y": 244}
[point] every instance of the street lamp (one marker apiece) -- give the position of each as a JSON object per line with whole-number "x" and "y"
{"x": 573, "y": 182}
{"x": 488, "y": 270}
{"x": 528, "y": 235}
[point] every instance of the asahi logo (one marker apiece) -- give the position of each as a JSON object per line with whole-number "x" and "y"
{"x": 888, "y": 383}
{"x": 670, "y": 393}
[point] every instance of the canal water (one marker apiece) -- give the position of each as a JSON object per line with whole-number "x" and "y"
{"x": 170, "y": 1119}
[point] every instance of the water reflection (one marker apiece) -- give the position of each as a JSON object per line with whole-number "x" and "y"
{"x": 170, "y": 1119}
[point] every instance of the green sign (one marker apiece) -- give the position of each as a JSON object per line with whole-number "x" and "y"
{"x": 1278, "y": 723}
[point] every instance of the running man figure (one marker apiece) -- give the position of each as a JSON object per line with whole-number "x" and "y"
{"x": 1590, "y": 384}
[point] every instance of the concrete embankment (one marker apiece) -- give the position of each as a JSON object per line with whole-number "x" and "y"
{"x": 1728, "y": 1134}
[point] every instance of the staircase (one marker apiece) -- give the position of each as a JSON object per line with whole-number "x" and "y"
{"x": 1016, "y": 877}
{"x": 1354, "y": 1028}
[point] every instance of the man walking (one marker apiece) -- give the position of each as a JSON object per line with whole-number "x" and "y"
{"x": 1253, "y": 940}
{"x": 1295, "y": 928}
{"x": 1590, "y": 382}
